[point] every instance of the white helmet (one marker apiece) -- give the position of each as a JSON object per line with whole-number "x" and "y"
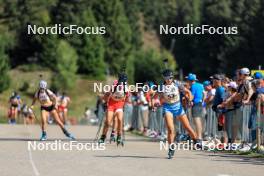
{"x": 43, "y": 84}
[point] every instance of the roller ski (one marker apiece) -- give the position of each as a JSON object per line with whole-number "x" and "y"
{"x": 119, "y": 141}
{"x": 112, "y": 137}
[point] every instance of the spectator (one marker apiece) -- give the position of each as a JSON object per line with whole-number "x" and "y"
{"x": 210, "y": 92}
{"x": 197, "y": 91}
{"x": 219, "y": 91}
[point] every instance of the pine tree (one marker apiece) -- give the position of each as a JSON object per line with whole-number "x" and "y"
{"x": 118, "y": 32}
{"x": 66, "y": 66}
{"x": 91, "y": 50}
{"x": 4, "y": 65}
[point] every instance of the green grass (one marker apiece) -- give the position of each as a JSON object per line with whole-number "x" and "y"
{"x": 81, "y": 95}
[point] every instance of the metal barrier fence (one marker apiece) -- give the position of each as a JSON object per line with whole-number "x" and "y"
{"x": 241, "y": 125}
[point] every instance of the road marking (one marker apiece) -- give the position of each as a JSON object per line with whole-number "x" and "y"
{"x": 36, "y": 172}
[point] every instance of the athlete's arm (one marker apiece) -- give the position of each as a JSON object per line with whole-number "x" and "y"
{"x": 204, "y": 96}
{"x": 188, "y": 94}
{"x": 231, "y": 99}
{"x": 250, "y": 93}
{"x": 106, "y": 96}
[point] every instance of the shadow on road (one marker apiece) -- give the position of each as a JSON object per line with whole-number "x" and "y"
{"x": 129, "y": 156}
{"x": 234, "y": 158}
{"x": 65, "y": 139}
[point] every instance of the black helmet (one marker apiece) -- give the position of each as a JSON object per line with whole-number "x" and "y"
{"x": 167, "y": 73}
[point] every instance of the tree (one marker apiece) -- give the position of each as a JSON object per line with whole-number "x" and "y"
{"x": 91, "y": 51}
{"x": 66, "y": 66}
{"x": 148, "y": 65}
{"x": 48, "y": 55}
{"x": 90, "y": 48}
{"x": 111, "y": 14}
{"x": 4, "y": 65}
{"x": 17, "y": 15}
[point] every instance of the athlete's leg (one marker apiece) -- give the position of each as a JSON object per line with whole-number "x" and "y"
{"x": 170, "y": 127}
{"x": 171, "y": 132}
{"x": 15, "y": 114}
{"x": 65, "y": 115}
{"x": 12, "y": 115}
{"x": 56, "y": 117}
{"x": 25, "y": 120}
{"x": 44, "y": 117}
{"x": 115, "y": 123}
{"x": 108, "y": 121}
{"x": 120, "y": 119}
{"x": 185, "y": 122}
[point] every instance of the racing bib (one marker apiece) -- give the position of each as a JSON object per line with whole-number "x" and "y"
{"x": 171, "y": 93}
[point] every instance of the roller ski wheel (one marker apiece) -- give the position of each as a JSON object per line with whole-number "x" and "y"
{"x": 119, "y": 141}
{"x": 171, "y": 154}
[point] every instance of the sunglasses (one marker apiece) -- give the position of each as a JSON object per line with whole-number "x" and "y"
{"x": 168, "y": 78}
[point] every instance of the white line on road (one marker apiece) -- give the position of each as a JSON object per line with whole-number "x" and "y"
{"x": 36, "y": 172}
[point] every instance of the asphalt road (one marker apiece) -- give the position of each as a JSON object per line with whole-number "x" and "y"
{"x": 140, "y": 157}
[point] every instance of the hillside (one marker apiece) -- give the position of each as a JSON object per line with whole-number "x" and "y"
{"x": 81, "y": 96}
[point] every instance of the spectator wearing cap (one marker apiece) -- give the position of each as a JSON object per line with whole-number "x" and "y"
{"x": 219, "y": 91}
{"x": 257, "y": 100}
{"x": 197, "y": 90}
{"x": 230, "y": 126}
{"x": 218, "y": 99}
{"x": 245, "y": 89}
{"x": 259, "y": 76}
{"x": 210, "y": 92}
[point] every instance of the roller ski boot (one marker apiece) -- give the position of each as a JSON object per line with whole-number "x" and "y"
{"x": 69, "y": 135}
{"x": 112, "y": 137}
{"x": 43, "y": 136}
{"x": 171, "y": 153}
{"x": 101, "y": 140}
{"x": 119, "y": 141}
